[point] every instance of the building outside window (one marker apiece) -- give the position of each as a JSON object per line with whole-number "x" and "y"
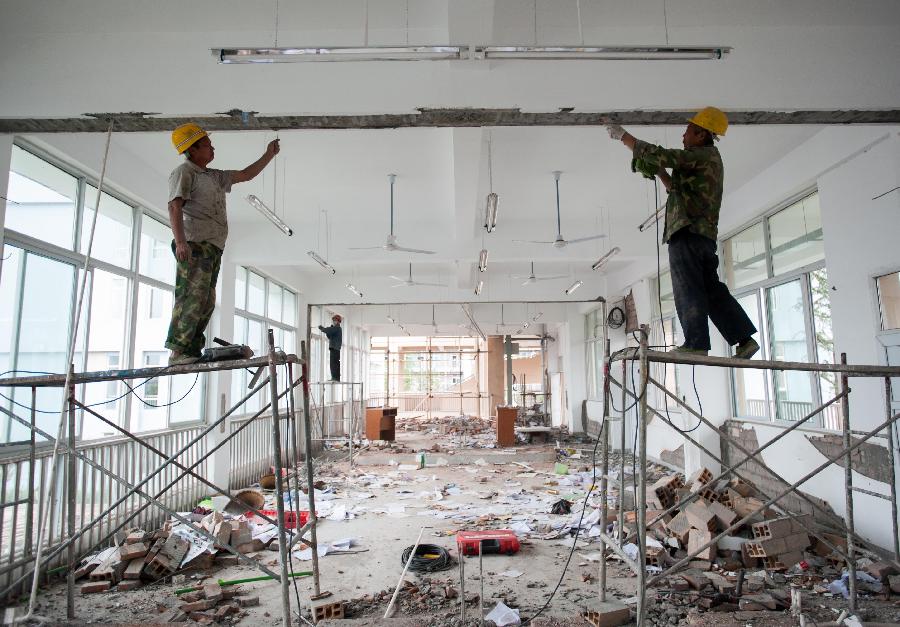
{"x": 261, "y": 304}
{"x": 594, "y": 352}
{"x": 49, "y": 212}
{"x": 776, "y": 269}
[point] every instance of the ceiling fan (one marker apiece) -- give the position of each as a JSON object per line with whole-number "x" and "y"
{"x": 391, "y": 244}
{"x": 560, "y": 241}
{"x": 531, "y": 278}
{"x": 408, "y": 281}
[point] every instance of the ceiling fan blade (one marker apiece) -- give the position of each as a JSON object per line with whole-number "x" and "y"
{"x": 366, "y": 248}
{"x": 584, "y": 239}
{"x": 413, "y": 250}
{"x": 401, "y": 285}
{"x": 549, "y": 278}
{"x": 529, "y": 281}
{"x": 396, "y": 278}
{"x": 531, "y": 241}
{"x": 429, "y": 284}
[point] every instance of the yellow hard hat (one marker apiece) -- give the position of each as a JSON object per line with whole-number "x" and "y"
{"x": 186, "y": 135}
{"x": 712, "y": 119}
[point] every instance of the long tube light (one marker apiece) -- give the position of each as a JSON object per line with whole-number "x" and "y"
{"x": 391, "y": 320}
{"x": 482, "y": 260}
{"x": 478, "y": 287}
{"x": 368, "y": 53}
{"x": 653, "y": 219}
{"x": 260, "y": 206}
{"x": 537, "y": 316}
{"x": 574, "y": 287}
{"x": 603, "y": 53}
{"x": 615, "y": 250}
{"x": 490, "y": 212}
{"x": 320, "y": 261}
{"x": 353, "y": 289}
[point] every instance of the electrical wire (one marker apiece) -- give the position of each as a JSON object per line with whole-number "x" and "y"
{"x": 578, "y": 528}
{"x": 429, "y": 558}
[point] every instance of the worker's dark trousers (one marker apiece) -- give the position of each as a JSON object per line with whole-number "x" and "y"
{"x": 699, "y": 292}
{"x": 335, "y": 359}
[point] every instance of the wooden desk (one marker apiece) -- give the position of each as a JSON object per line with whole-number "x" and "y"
{"x": 380, "y": 423}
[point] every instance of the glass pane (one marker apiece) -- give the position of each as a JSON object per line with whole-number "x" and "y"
{"x": 45, "y": 314}
{"x": 41, "y": 199}
{"x": 240, "y": 288}
{"x": 154, "y": 309}
{"x": 109, "y": 299}
{"x": 795, "y": 235}
{"x": 889, "y": 300}
{"x": 256, "y": 295}
{"x": 187, "y": 396}
{"x": 788, "y": 342}
{"x": 290, "y": 343}
{"x": 274, "y": 310}
{"x": 112, "y": 235}
{"x": 665, "y": 295}
{"x": 290, "y": 308}
{"x": 9, "y": 287}
{"x": 745, "y": 257}
{"x": 157, "y": 260}
{"x": 750, "y": 385}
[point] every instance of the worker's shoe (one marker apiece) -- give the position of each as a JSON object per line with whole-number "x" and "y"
{"x": 746, "y": 349}
{"x": 177, "y": 358}
{"x": 686, "y": 350}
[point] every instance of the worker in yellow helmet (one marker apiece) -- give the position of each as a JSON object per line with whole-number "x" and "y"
{"x": 200, "y": 228}
{"x": 691, "y": 228}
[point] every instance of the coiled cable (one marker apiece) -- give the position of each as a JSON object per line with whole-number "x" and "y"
{"x": 429, "y": 558}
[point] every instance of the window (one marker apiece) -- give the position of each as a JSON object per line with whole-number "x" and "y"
{"x": 889, "y": 300}
{"x": 48, "y": 222}
{"x": 776, "y": 270}
{"x": 662, "y": 335}
{"x": 260, "y": 304}
{"x": 42, "y": 199}
{"x": 595, "y": 350}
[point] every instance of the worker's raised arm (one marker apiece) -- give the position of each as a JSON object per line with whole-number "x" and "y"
{"x": 176, "y": 219}
{"x": 249, "y": 173}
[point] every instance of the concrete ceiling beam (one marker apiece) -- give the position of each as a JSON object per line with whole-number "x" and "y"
{"x": 433, "y": 118}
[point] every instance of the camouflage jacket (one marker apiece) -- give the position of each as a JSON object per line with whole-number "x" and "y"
{"x": 696, "y": 195}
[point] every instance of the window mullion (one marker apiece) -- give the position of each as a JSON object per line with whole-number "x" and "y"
{"x": 770, "y": 268}
{"x": 811, "y": 345}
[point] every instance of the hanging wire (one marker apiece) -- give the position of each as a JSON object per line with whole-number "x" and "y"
{"x": 366, "y": 24}
{"x": 535, "y": 22}
{"x": 276, "y": 23}
{"x": 406, "y": 19}
{"x": 580, "y": 29}
{"x": 491, "y": 160}
{"x": 666, "y": 20}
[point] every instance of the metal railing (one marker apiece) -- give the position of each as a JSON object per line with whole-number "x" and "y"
{"x": 20, "y": 514}
{"x": 791, "y": 411}
{"x": 644, "y": 358}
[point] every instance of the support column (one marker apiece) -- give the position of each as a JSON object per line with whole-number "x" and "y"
{"x": 495, "y": 373}
{"x": 5, "y": 158}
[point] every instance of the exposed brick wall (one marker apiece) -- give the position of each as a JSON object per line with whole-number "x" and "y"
{"x": 674, "y": 458}
{"x": 764, "y": 477}
{"x": 870, "y": 460}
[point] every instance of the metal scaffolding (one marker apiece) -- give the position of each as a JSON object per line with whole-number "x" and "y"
{"x": 644, "y": 357}
{"x": 289, "y": 439}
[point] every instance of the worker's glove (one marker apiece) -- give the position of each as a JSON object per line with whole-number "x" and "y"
{"x": 615, "y": 131}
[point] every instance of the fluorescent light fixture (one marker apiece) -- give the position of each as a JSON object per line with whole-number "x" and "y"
{"x": 320, "y": 261}
{"x": 490, "y": 212}
{"x": 260, "y": 206}
{"x": 482, "y": 260}
{"x": 353, "y": 289}
{"x": 574, "y": 287}
{"x": 369, "y": 53}
{"x": 391, "y": 320}
{"x": 526, "y": 324}
{"x": 478, "y": 287}
{"x": 537, "y": 316}
{"x": 602, "y": 261}
{"x": 475, "y": 326}
{"x": 603, "y": 53}
{"x": 653, "y": 219}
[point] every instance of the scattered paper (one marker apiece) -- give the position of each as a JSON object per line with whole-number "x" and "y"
{"x": 503, "y": 616}
{"x": 325, "y": 548}
{"x": 512, "y": 573}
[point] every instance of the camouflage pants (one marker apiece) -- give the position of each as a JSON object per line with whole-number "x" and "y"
{"x": 195, "y": 298}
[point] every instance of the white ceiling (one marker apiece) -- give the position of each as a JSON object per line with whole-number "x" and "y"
{"x": 65, "y": 59}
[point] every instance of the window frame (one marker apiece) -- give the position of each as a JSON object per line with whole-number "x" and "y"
{"x": 132, "y": 274}
{"x": 761, "y": 290}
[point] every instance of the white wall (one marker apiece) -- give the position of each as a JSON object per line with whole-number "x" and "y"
{"x": 849, "y": 166}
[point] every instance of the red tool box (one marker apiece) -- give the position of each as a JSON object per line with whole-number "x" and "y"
{"x": 494, "y": 541}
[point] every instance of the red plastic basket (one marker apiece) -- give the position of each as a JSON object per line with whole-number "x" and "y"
{"x": 290, "y": 517}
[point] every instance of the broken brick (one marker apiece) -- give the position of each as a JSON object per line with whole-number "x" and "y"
{"x": 248, "y": 601}
{"x": 699, "y": 516}
{"x": 724, "y": 516}
{"x": 679, "y": 527}
{"x": 759, "y": 601}
{"x": 212, "y": 592}
{"x": 198, "y": 606}
{"x": 130, "y": 552}
{"x": 697, "y": 539}
{"x": 95, "y": 586}
{"x": 881, "y": 570}
{"x": 126, "y": 585}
